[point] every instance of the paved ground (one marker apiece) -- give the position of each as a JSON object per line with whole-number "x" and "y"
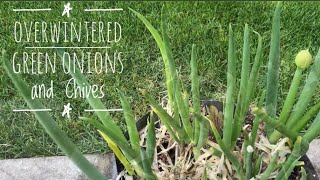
{"x": 314, "y": 153}
{"x": 53, "y": 168}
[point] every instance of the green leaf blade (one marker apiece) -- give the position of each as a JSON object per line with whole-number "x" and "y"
{"x": 165, "y": 118}
{"x": 95, "y": 103}
{"x": 231, "y": 80}
{"x": 195, "y": 86}
{"x": 313, "y": 132}
{"x": 131, "y": 123}
{"x": 110, "y": 133}
{"x": 184, "y": 113}
{"x": 273, "y": 66}
{"x": 51, "y": 127}
{"x": 161, "y": 46}
{"x": 118, "y": 153}
{"x": 242, "y": 95}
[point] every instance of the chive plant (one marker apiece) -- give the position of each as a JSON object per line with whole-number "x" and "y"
{"x": 189, "y": 127}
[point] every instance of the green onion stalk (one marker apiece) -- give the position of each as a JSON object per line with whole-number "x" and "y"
{"x": 302, "y": 61}
{"x": 273, "y": 67}
{"x": 244, "y": 103}
{"x": 271, "y": 166}
{"x": 275, "y": 124}
{"x": 307, "y": 117}
{"x": 195, "y": 86}
{"x": 231, "y": 80}
{"x": 176, "y": 100}
{"x": 306, "y": 94}
{"x": 251, "y": 144}
{"x": 300, "y": 148}
{"x": 241, "y": 101}
{"x": 184, "y": 111}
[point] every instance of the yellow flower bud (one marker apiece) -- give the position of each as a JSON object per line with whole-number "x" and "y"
{"x": 303, "y": 59}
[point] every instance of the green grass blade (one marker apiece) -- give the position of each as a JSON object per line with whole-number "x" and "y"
{"x": 95, "y": 103}
{"x": 118, "y": 153}
{"x": 195, "y": 88}
{"x": 231, "y": 80}
{"x": 51, "y": 127}
{"x": 131, "y": 123}
{"x": 273, "y": 66}
{"x": 242, "y": 95}
{"x": 151, "y": 138}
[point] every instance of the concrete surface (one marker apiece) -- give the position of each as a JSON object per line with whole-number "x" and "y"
{"x": 314, "y": 153}
{"x": 53, "y": 168}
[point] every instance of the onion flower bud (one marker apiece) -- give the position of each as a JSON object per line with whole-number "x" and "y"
{"x": 303, "y": 59}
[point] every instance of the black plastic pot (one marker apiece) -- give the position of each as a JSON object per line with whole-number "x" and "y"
{"x": 311, "y": 172}
{"x": 143, "y": 121}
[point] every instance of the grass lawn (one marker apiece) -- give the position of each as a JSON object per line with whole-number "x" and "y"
{"x": 202, "y": 23}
